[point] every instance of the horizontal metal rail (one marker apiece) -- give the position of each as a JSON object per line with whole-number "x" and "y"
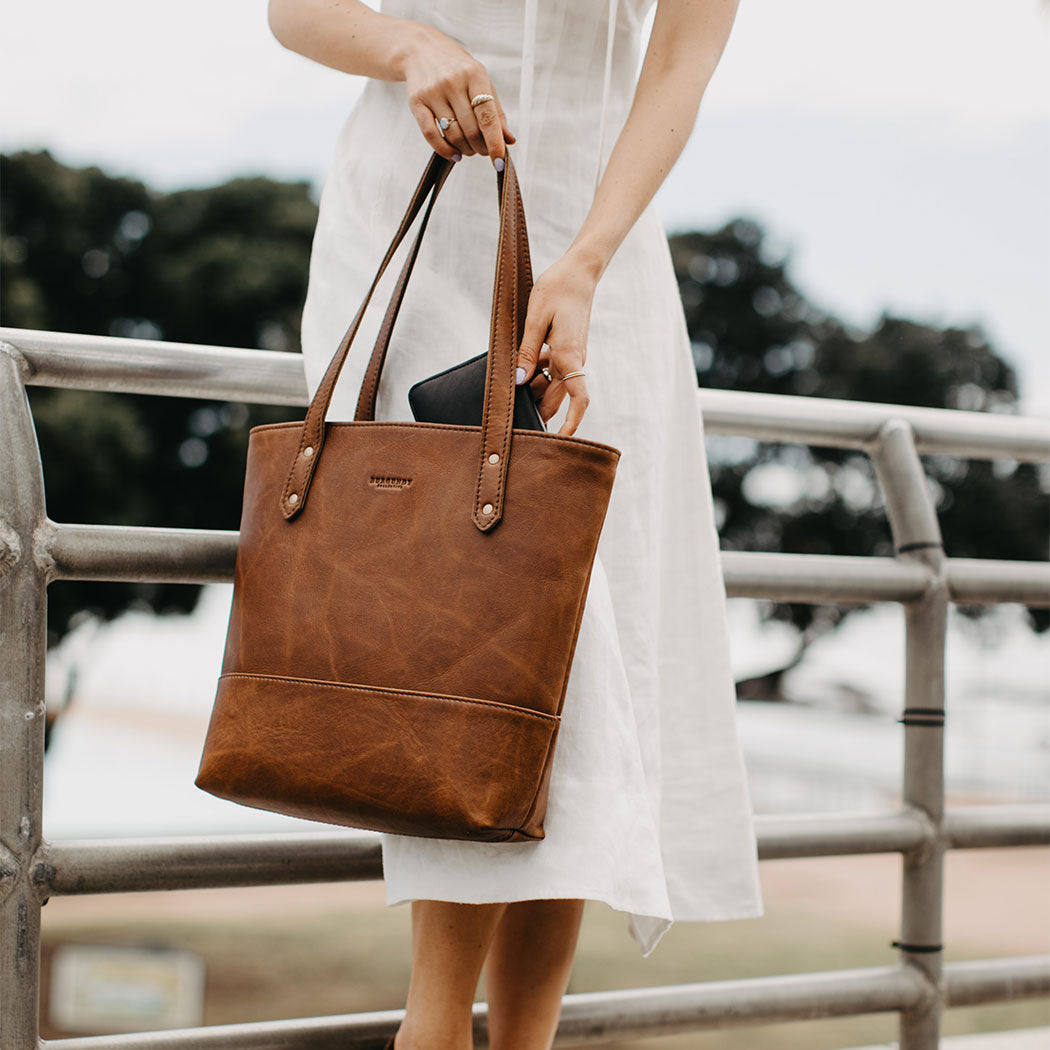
{"x": 977, "y": 581}
{"x": 276, "y": 377}
{"x": 974, "y": 982}
{"x": 856, "y": 424}
{"x": 148, "y": 366}
{"x": 196, "y": 862}
{"x": 159, "y": 555}
{"x": 992, "y": 827}
{"x": 204, "y": 861}
{"x": 597, "y": 1017}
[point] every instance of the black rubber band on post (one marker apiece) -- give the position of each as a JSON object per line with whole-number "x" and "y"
{"x": 922, "y": 716}
{"x": 920, "y": 948}
{"x": 919, "y": 545}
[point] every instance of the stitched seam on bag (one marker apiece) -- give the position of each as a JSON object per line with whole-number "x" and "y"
{"x": 508, "y": 421}
{"x": 493, "y": 328}
{"x": 524, "y": 433}
{"x": 395, "y": 692}
{"x": 509, "y": 404}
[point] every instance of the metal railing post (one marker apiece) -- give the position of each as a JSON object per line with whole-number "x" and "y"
{"x": 23, "y": 628}
{"x": 917, "y": 537}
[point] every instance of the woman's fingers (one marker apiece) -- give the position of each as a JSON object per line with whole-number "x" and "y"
{"x": 550, "y": 393}
{"x": 576, "y": 391}
{"x": 463, "y": 129}
{"x": 539, "y": 386}
{"x": 427, "y": 122}
{"x": 455, "y": 133}
{"x": 441, "y": 80}
{"x": 475, "y": 129}
{"x": 533, "y": 339}
{"x": 558, "y": 318}
{"x": 539, "y": 382}
{"x": 552, "y": 400}
{"x": 489, "y": 120}
{"x": 578, "y": 402}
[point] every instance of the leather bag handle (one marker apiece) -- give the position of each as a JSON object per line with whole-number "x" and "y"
{"x": 312, "y": 432}
{"x": 512, "y": 286}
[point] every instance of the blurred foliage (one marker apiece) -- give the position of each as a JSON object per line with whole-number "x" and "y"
{"x": 83, "y": 251}
{"x": 752, "y": 329}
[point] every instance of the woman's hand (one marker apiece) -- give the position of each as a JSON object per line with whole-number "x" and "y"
{"x": 559, "y": 316}
{"x": 441, "y": 78}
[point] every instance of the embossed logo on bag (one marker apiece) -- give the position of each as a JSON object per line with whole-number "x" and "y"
{"x": 386, "y": 481}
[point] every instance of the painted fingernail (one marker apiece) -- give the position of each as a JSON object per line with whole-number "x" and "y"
{"x": 498, "y": 162}
{"x": 519, "y": 376}
{"x": 457, "y": 156}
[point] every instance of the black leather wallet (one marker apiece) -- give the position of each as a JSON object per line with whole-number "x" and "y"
{"x": 457, "y": 395}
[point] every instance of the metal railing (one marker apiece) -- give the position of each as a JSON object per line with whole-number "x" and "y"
{"x": 35, "y": 550}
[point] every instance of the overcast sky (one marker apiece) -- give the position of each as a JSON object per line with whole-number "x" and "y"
{"x": 900, "y": 151}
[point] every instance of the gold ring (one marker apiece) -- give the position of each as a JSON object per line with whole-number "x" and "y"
{"x": 573, "y": 375}
{"x": 547, "y": 375}
{"x": 478, "y": 99}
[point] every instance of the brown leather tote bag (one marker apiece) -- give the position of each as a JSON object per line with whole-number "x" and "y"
{"x": 407, "y": 596}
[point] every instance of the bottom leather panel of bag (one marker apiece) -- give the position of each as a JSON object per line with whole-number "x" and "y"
{"x": 381, "y": 759}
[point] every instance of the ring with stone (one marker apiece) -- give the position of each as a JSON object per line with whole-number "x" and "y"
{"x": 446, "y": 122}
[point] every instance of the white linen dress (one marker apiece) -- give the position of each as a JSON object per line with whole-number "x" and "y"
{"x": 649, "y": 806}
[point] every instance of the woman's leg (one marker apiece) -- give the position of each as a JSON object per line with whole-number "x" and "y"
{"x": 528, "y": 970}
{"x": 449, "y": 942}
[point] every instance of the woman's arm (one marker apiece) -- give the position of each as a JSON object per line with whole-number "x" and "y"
{"x": 440, "y": 76}
{"x": 344, "y": 34}
{"x": 687, "y": 41}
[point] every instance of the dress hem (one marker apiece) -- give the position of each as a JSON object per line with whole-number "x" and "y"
{"x": 646, "y": 944}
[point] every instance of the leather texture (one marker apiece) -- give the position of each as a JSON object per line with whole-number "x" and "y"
{"x": 398, "y": 648}
{"x": 457, "y": 395}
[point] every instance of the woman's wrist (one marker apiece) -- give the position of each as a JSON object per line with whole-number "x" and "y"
{"x": 589, "y": 257}
{"x": 407, "y": 40}
{"x": 347, "y": 35}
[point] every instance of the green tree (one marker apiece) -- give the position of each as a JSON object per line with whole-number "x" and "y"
{"x": 751, "y": 329}
{"x": 83, "y": 251}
